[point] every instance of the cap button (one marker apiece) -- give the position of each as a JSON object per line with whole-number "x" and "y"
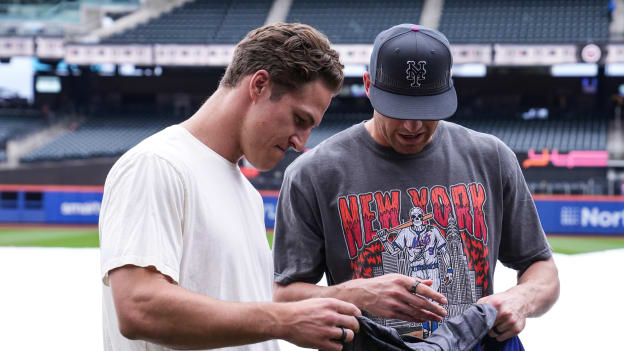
{"x": 415, "y": 28}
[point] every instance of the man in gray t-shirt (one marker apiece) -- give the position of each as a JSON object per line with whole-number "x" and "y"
{"x": 407, "y": 215}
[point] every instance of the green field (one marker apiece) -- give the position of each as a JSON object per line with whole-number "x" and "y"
{"x": 270, "y": 237}
{"x": 583, "y": 244}
{"x": 49, "y": 237}
{"x": 88, "y": 237}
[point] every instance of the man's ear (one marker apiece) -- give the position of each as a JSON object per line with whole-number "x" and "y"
{"x": 367, "y": 83}
{"x": 259, "y": 84}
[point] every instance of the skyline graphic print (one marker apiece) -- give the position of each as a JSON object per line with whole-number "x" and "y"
{"x": 442, "y": 236}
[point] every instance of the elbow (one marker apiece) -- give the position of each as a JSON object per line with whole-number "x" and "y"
{"x": 129, "y": 331}
{"x": 551, "y": 298}
{"x": 542, "y": 280}
{"x": 553, "y": 288}
{"x": 133, "y": 316}
{"x": 556, "y": 288}
{"x": 130, "y": 325}
{"x": 556, "y": 284}
{"x": 138, "y": 301}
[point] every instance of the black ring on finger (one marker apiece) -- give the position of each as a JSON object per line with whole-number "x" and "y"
{"x": 415, "y": 285}
{"x": 343, "y": 337}
{"x": 495, "y": 329}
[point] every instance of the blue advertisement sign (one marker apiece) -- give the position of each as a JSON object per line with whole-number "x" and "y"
{"x": 602, "y": 215}
{"x": 581, "y": 217}
{"x": 67, "y": 207}
{"x": 270, "y": 207}
{"x": 85, "y": 208}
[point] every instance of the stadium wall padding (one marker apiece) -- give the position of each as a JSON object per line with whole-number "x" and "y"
{"x": 559, "y": 214}
{"x": 90, "y": 172}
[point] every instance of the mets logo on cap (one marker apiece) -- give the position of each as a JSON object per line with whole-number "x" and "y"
{"x": 416, "y": 73}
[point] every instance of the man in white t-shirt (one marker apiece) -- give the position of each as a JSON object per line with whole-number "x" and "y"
{"x": 185, "y": 260}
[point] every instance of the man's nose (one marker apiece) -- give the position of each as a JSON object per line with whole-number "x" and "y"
{"x": 297, "y": 141}
{"x": 412, "y": 124}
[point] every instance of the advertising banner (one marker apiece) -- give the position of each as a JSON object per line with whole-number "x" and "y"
{"x": 581, "y": 214}
{"x": 559, "y": 214}
{"x": 78, "y": 208}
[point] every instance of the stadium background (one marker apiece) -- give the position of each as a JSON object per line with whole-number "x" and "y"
{"x": 82, "y": 81}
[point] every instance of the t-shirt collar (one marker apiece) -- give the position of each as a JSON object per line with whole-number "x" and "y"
{"x": 364, "y": 136}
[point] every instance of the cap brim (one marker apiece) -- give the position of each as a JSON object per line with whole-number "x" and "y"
{"x": 430, "y": 107}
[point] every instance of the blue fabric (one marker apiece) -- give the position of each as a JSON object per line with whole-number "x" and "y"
{"x": 490, "y": 344}
{"x": 461, "y": 332}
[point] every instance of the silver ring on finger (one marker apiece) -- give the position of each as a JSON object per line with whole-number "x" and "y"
{"x": 415, "y": 285}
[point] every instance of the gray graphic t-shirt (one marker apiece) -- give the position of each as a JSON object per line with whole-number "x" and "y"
{"x": 352, "y": 208}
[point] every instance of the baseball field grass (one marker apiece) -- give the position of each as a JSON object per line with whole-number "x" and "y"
{"x": 42, "y": 236}
{"x": 49, "y": 236}
{"x": 582, "y": 244}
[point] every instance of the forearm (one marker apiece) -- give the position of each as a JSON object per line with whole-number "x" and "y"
{"x": 301, "y": 291}
{"x": 151, "y": 308}
{"x": 352, "y": 291}
{"x": 388, "y": 296}
{"x": 538, "y": 286}
{"x": 182, "y": 319}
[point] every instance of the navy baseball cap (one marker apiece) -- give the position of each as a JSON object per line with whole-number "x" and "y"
{"x": 410, "y": 70}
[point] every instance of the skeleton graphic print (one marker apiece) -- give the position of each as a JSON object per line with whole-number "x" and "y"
{"x": 442, "y": 239}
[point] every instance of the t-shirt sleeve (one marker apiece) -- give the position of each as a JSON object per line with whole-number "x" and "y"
{"x": 141, "y": 216}
{"x": 523, "y": 241}
{"x": 298, "y": 245}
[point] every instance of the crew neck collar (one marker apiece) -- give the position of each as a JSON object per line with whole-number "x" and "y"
{"x": 387, "y": 151}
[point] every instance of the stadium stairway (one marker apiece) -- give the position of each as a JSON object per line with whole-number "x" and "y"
{"x": 93, "y": 138}
{"x": 431, "y": 13}
{"x": 16, "y": 125}
{"x": 149, "y": 10}
{"x": 615, "y": 138}
{"x": 278, "y": 12}
{"x": 19, "y": 147}
{"x": 616, "y": 28}
{"x": 198, "y": 22}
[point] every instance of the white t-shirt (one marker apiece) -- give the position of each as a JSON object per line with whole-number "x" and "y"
{"x": 173, "y": 203}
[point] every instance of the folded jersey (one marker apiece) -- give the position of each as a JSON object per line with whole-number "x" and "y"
{"x": 467, "y": 331}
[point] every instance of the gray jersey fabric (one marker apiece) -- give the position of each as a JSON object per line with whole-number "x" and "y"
{"x": 338, "y": 196}
{"x": 459, "y": 333}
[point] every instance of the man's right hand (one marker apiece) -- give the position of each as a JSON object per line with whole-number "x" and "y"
{"x": 389, "y": 296}
{"x": 316, "y": 323}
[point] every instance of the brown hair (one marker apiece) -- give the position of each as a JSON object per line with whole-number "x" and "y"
{"x": 292, "y": 53}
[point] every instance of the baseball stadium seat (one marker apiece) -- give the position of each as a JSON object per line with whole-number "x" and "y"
{"x": 199, "y": 22}
{"x": 347, "y": 23}
{"x": 93, "y": 138}
{"x": 530, "y": 21}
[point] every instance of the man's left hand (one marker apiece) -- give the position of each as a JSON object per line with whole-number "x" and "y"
{"x": 536, "y": 291}
{"x": 511, "y": 317}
